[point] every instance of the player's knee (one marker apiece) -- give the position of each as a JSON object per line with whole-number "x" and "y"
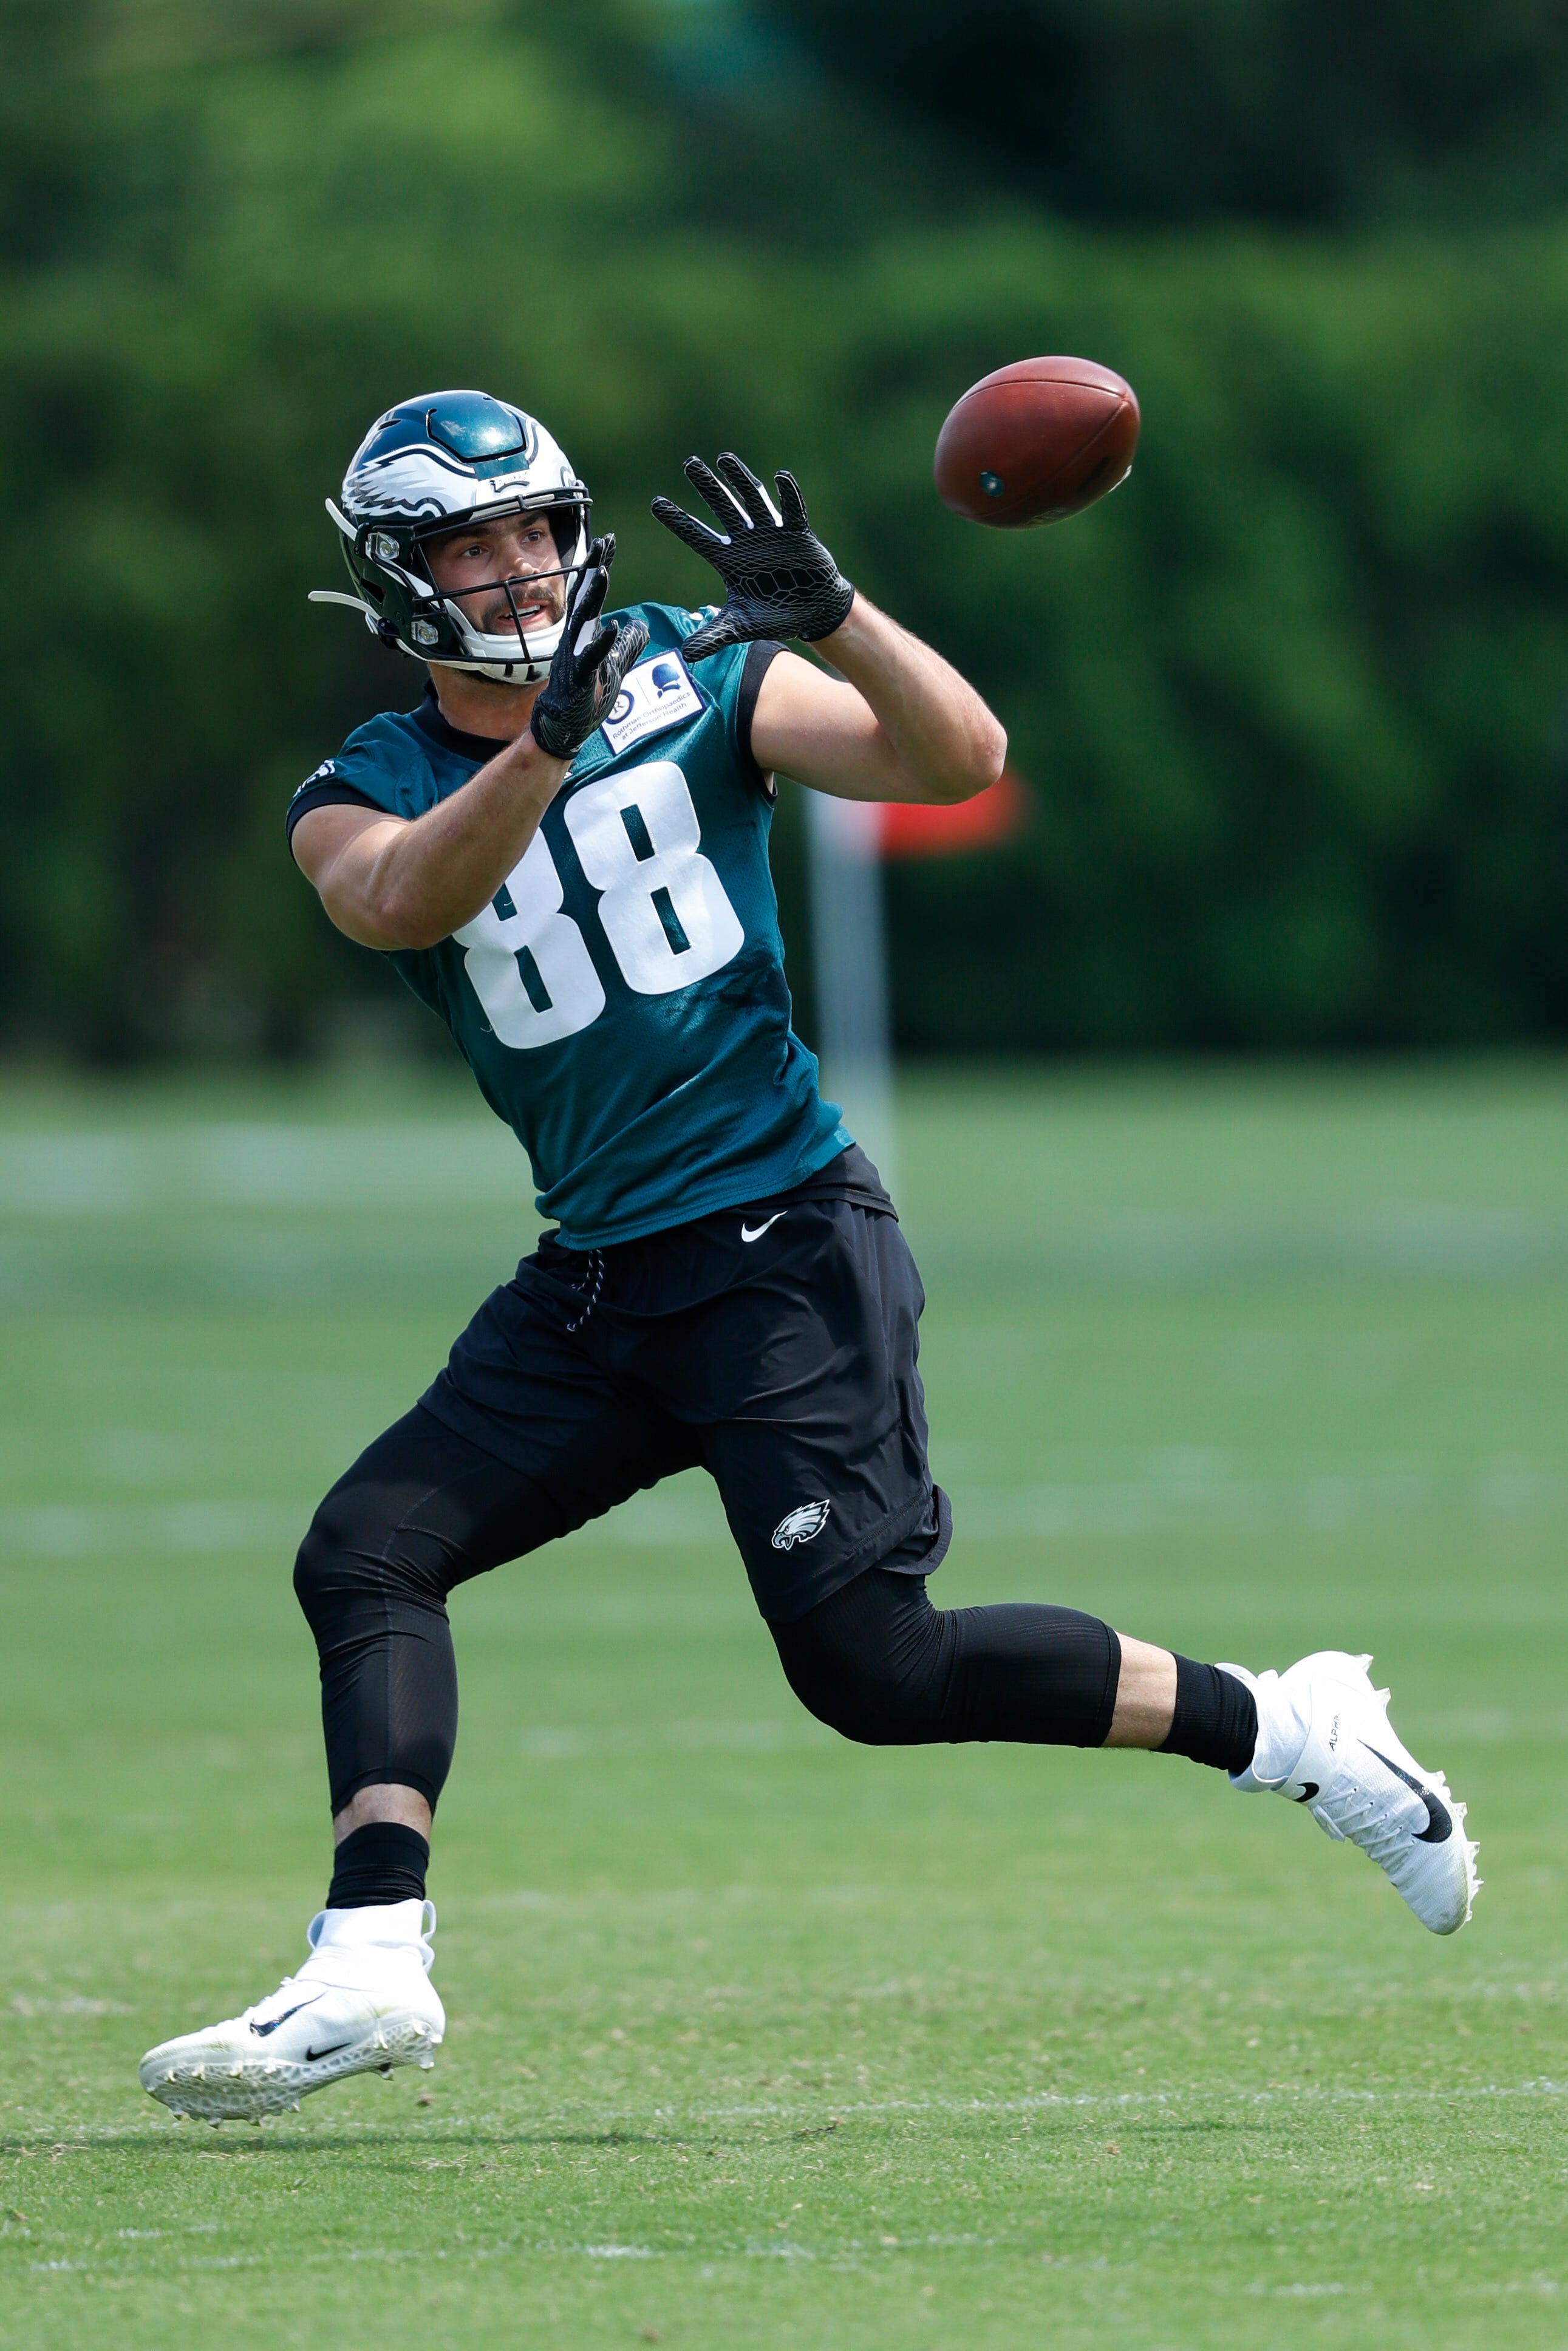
{"x": 876, "y": 1711}
{"x": 871, "y": 1666}
{"x": 356, "y": 1552}
{"x": 317, "y": 1564}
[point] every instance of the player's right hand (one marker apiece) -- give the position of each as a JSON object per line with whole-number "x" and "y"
{"x": 590, "y": 663}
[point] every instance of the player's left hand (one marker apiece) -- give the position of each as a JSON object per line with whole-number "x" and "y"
{"x": 780, "y": 579}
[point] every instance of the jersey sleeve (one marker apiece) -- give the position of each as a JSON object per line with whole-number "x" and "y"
{"x": 355, "y": 778}
{"x": 759, "y": 656}
{"x": 734, "y": 678}
{"x": 326, "y": 795}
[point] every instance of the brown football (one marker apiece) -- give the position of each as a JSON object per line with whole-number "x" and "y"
{"x": 1037, "y": 441}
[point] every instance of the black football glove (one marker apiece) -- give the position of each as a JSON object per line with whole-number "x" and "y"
{"x": 780, "y": 579}
{"x": 590, "y": 663}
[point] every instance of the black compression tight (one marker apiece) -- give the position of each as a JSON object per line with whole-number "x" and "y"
{"x": 423, "y": 1509}
{"x": 878, "y": 1663}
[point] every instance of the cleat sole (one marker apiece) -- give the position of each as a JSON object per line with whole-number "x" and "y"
{"x": 272, "y": 2085}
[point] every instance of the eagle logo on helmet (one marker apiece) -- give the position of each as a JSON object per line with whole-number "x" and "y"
{"x": 428, "y": 466}
{"x": 800, "y": 1525}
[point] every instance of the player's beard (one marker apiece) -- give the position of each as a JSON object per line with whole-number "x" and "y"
{"x": 497, "y": 618}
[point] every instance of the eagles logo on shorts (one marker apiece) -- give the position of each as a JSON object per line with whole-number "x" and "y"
{"x": 799, "y": 1526}
{"x": 786, "y": 1387}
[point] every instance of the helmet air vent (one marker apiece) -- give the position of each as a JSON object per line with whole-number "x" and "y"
{"x": 474, "y": 426}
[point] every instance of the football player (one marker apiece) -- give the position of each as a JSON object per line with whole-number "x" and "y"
{"x": 563, "y": 850}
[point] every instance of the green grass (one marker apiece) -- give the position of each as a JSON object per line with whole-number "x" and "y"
{"x": 756, "y": 2038}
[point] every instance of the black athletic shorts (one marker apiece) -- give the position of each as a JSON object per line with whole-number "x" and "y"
{"x": 774, "y": 1345}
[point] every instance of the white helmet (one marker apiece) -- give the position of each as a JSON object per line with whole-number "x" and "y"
{"x": 426, "y": 467}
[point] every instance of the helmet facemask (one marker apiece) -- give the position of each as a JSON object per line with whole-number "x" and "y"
{"x": 520, "y": 654}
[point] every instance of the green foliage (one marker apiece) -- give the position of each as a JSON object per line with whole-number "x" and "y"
{"x": 1286, "y": 700}
{"x": 1286, "y": 703}
{"x": 1298, "y": 110}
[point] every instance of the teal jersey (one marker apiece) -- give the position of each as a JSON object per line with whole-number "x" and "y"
{"x": 622, "y": 1000}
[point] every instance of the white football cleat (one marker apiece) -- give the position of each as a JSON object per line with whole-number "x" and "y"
{"x": 1326, "y": 1741}
{"x": 362, "y": 2003}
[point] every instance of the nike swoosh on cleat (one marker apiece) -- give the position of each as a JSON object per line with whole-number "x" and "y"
{"x": 312, "y": 2057}
{"x": 1439, "y": 1825}
{"x": 1308, "y": 1790}
{"x": 748, "y": 1234}
{"x": 261, "y": 2031}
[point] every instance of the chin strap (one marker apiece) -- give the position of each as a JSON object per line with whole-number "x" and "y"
{"x": 493, "y": 671}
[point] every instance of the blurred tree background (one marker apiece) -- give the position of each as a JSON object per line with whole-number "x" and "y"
{"x": 1288, "y": 705}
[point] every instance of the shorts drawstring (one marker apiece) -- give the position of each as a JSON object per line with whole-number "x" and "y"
{"x": 595, "y": 1283}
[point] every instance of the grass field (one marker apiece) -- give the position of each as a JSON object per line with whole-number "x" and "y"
{"x": 756, "y": 2038}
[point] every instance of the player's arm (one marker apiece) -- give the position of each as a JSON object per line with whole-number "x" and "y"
{"x": 898, "y": 724}
{"x": 390, "y": 881}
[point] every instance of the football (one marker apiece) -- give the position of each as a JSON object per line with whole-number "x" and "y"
{"x": 1036, "y": 442}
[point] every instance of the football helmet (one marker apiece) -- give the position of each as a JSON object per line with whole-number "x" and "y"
{"x": 425, "y": 468}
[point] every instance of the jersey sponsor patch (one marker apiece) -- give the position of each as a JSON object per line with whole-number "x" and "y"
{"x": 657, "y": 695}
